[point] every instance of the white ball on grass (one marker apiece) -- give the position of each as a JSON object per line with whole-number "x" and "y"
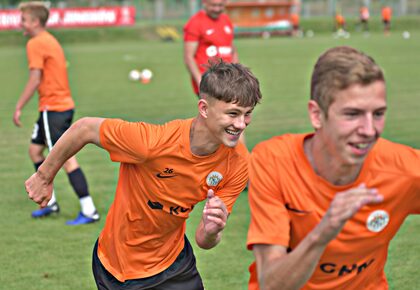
{"x": 134, "y": 75}
{"x": 146, "y": 75}
{"x": 406, "y": 35}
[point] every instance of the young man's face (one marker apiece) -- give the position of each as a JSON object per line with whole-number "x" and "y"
{"x": 227, "y": 121}
{"x": 28, "y": 23}
{"x": 356, "y": 119}
{"x": 214, "y": 8}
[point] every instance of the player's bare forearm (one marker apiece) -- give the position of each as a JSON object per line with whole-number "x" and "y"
{"x": 82, "y": 132}
{"x": 278, "y": 269}
{"x": 29, "y": 90}
{"x": 281, "y": 270}
{"x": 194, "y": 71}
{"x": 31, "y": 86}
{"x": 190, "y": 49}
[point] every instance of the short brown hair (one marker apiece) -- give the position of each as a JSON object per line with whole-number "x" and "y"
{"x": 337, "y": 69}
{"x": 37, "y": 9}
{"x": 231, "y": 83}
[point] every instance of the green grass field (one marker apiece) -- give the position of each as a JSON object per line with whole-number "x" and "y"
{"x": 46, "y": 254}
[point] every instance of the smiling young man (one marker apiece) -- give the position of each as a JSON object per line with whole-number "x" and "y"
{"x": 165, "y": 170}
{"x": 325, "y": 205}
{"x": 48, "y": 76}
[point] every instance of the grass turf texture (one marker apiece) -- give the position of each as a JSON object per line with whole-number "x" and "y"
{"x": 46, "y": 254}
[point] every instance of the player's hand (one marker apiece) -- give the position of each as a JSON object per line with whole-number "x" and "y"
{"x": 16, "y": 118}
{"x": 39, "y": 190}
{"x": 343, "y": 207}
{"x": 215, "y": 214}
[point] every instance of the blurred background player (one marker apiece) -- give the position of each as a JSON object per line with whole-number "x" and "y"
{"x": 208, "y": 36}
{"x": 340, "y": 25}
{"x": 386, "y": 18}
{"x": 325, "y": 205}
{"x": 48, "y": 75}
{"x": 294, "y": 19}
{"x": 364, "y": 18}
{"x": 165, "y": 170}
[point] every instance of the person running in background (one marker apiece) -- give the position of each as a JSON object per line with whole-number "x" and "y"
{"x": 48, "y": 76}
{"x": 340, "y": 22}
{"x": 364, "y": 18}
{"x": 386, "y": 19}
{"x": 340, "y": 26}
{"x": 295, "y": 21}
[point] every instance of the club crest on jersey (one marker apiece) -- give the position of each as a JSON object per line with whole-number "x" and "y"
{"x": 377, "y": 221}
{"x": 227, "y": 29}
{"x": 214, "y": 178}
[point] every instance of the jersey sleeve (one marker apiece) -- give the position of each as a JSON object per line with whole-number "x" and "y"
{"x": 128, "y": 142}
{"x": 192, "y": 30}
{"x": 35, "y": 55}
{"x": 270, "y": 221}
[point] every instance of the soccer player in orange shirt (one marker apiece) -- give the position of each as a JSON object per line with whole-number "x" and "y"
{"x": 325, "y": 205}
{"x": 364, "y": 18}
{"x": 340, "y": 22}
{"x": 386, "y": 18}
{"x": 164, "y": 171}
{"x": 48, "y": 76}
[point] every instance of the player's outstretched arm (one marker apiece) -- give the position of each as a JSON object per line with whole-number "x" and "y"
{"x": 82, "y": 132}
{"x": 31, "y": 86}
{"x": 278, "y": 269}
{"x": 213, "y": 221}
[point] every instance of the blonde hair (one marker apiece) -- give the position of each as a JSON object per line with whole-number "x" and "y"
{"x": 37, "y": 9}
{"x": 339, "y": 68}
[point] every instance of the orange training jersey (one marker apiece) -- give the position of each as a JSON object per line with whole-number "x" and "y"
{"x": 339, "y": 19}
{"x": 294, "y": 19}
{"x": 45, "y": 53}
{"x": 159, "y": 183}
{"x": 288, "y": 199}
{"x": 364, "y": 13}
{"x": 386, "y": 13}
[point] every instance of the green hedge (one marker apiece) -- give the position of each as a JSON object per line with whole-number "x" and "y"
{"x": 147, "y": 31}
{"x": 86, "y": 35}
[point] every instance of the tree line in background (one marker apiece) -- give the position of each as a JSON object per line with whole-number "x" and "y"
{"x": 180, "y": 9}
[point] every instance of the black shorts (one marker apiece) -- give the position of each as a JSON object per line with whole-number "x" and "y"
{"x": 50, "y": 126}
{"x": 181, "y": 275}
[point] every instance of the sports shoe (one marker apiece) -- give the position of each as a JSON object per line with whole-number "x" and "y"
{"x": 81, "y": 219}
{"x": 46, "y": 211}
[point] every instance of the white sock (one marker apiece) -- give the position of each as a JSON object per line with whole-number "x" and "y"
{"x": 52, "y": 200}
{"x": 88, "y": 208}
